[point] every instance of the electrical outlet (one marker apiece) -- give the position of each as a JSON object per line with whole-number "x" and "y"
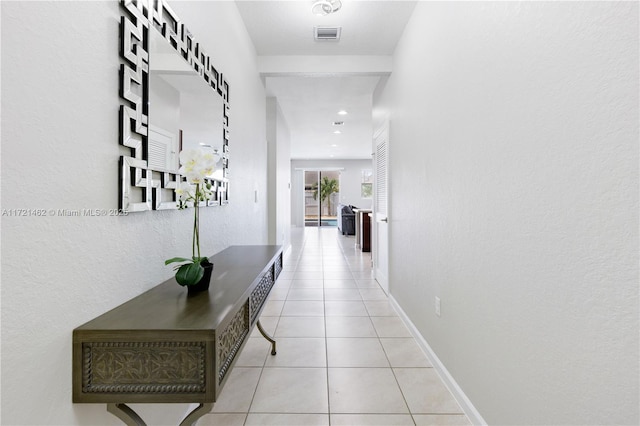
{"x": 437, "y": 306}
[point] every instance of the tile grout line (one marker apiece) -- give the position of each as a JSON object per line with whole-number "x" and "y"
{"x": 326, "y": 345}
{"x": 322, "y": 249}
{"x": 326, "y": 337}
{"x": 264, "y": 363}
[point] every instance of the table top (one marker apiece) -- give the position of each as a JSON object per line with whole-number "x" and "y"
{"x": 168, "y": 306}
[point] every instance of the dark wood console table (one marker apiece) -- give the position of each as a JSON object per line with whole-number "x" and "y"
{"x": 363, "y": 229}
{"x": 166, "y": 346}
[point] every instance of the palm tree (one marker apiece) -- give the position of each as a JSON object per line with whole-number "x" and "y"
{"x": 327, "y": 187}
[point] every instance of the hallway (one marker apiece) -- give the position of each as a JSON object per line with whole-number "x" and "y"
{"x": 344, "y": 356}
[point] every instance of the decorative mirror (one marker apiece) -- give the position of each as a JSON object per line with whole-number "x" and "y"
{"x": 172, "y": 99}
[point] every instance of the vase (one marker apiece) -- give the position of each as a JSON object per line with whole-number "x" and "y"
{"x": 203, "y": 284}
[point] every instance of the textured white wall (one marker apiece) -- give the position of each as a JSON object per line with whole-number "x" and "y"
{"x": 283, "y": 181}
{"x": 60, "y": 151}
{"x": 514, "y": 198}
{"x": 279, "y": 140}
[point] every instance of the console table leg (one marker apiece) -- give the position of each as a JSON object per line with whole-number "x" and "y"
{"x": 266, "y": 336}
{"x": 198, "y": 412}
{"x": 126, "y": 414}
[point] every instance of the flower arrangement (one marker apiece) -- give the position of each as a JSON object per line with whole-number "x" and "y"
{"x": 195, "y": 165}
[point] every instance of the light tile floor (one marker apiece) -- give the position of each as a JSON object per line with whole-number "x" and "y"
{"x": 344, "y": 356}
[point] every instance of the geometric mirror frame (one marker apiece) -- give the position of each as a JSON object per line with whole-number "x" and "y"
{"x": 142, "y": 186}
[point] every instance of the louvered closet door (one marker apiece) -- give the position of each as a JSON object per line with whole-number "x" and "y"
{"x": 163, "y": 149}
{"x": 381, "y": 178}
{"x": 380, "y": 208}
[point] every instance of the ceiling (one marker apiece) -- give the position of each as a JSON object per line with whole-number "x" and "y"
{"x": 310, "y": 102}
{"x": 286, "y": 27}
{"x": 310, "y": 106}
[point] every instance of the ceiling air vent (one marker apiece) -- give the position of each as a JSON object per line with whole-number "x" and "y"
{"x": 327, "y": 33}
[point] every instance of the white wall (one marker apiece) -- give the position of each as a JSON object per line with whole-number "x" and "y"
{"x": 279, "y": 141}
{"x": 514, "y": 198}
{"x": 198, "y": 114}
{"x": 164, "y": 104}
{"x": 350, "y": 180}
{"x": 201, "y": 120}
{"x": 60, "y": 150}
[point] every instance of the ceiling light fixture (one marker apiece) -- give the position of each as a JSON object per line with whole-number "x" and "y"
{"x": 342, "y": 112}
{"x": 337, "y": 132}
{"x": 325, "y": 7}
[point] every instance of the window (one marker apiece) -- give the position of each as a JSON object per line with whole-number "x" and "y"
{"x": 366, "y": 187}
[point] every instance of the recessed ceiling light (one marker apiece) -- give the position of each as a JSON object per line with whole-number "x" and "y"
{"x": 342, "y": 112}
{"x": 337, "y": 132}
{"x": 334, "y": 145}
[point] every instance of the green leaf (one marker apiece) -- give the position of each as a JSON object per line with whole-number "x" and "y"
{"x": 176, "y": 259}
{"x": 189, "y": 274}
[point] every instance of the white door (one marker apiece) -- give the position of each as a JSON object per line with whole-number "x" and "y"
{"x": 380, "y": 206}
{"x": 163, "y": 149}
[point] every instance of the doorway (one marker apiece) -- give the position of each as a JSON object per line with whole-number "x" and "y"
{"x": 321, "y": 197}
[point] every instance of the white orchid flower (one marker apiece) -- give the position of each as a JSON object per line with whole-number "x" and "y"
{"x": 184, "y": 191}
{"x": 194, "y": 177}
{"x": 190, "y": 157}
{"x": 196, "y": 165}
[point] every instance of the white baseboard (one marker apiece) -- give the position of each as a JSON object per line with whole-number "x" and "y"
{"x": 462, "y": 399}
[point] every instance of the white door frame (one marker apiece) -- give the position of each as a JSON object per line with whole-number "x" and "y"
{"x": 302, "y": 170}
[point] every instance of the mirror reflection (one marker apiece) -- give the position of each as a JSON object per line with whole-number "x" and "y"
{"x": 184, "y": 112}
